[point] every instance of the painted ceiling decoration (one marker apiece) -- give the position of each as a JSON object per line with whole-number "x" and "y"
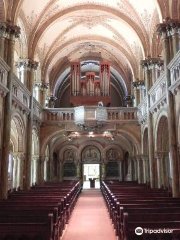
{"x": 58, "y": 32}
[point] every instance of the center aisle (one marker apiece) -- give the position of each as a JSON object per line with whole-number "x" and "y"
{"x": 90, "y": 219}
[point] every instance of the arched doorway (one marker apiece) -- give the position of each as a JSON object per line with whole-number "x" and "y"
{"x": 91, "y": 166}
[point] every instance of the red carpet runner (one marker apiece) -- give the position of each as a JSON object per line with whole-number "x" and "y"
{"x": 90, "y": 219}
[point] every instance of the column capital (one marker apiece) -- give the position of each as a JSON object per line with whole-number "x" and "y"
{"x": 13, "y": 31}
{"x": 160, "y": 154}
{"x": 145, "y": 157}
{"x": 174, "y": 26}
{"x": 3, "y": 28}
{"x": 138, "y": 83}
{"x": 9, "y": 30}
{"x": 129, "y": 100}
{"x": 52, "y": 100}
{"x": 42, "y": 85}
{"x": 150, "y": 63}
{"x": 168, "y": 27}
{"x": 27, "y": 64}
{"x": 138, "y": 157}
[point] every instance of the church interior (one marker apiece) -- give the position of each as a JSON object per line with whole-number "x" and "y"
{"x": 89, "y": 114}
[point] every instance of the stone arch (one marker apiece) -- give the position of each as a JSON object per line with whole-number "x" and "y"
{"x": 90, "y": 154}
{"x": 92, "y": 143}
{"x": 131, "y": 138}
{"x": 162, "y": 113}
{"x": 66, "y": 148}
{"x": 117, "y": 148}
{"x": 19, "y": 123}
{"x": 162, "y": 134}
{"x": 48, "y": 138}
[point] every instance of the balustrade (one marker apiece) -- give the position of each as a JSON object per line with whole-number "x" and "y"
{"x": 174, "y": 67}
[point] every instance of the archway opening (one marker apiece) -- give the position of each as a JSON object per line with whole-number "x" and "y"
{"x": 91, "y": 171}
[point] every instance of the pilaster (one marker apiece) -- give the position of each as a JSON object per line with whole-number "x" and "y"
{"x": 30, "y": 76}
{"x": 12, "y": 32}
{"x": 148, "y": 81}
{"x": 163, "y": 30}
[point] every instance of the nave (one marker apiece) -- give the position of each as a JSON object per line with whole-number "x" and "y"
{"x": 65, "y": 211}
{"x": 90, "y": 219}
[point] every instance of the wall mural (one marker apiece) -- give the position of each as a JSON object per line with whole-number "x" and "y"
{"x": 69, "y": 155}
{"x": 91, "y": 154}
{"x": 111, "y": 155}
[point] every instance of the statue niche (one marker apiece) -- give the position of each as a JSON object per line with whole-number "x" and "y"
{"x": 91, "y": 154}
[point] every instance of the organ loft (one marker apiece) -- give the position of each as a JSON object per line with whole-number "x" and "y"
{"x": 90, "y": 89}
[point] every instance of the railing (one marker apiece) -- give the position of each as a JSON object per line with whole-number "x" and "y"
{"x": 21, "y": 95}
{"x": 158, "y": 93}
{"x": 174, "y": 67}
{"x": 37, "y": 110}
{"x": 67, "y": 115}
{"x": 4, "y": 69}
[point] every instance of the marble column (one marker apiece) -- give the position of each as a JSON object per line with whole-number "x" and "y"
{"x": 162, "y": 30}
{"x": 136, "y": 94}
{"x": 21, "y": 168}
{"x": 130, "y": 170}
{"x": 154, "y": 65}
{"x": 61, "y": 170}
{"x": 134, "y": 169}
{"x": 41, "y": 161}
{"x": 145, "y": 168}
{"x": 174, "y": 29}
{"x": 42, "y": 88}
{"x": 161, "y": 168}
{"x": 32, "y": 66}
{"x": 148, "y": 82}
{"x": 139, "y": 168}
{"x": 120, "y": 170}
{"x": 129, "y": 100}
{"x": 52, "y": 100}
{"x": 15, "y": 161}
{"x": 3, "y": 28}
{"x": 12, "y": 33}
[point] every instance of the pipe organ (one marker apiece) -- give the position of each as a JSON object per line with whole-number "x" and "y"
{"x": 105, "y": 78}
{"x": 91, "y": 89}
{"x": 75, "y": 78}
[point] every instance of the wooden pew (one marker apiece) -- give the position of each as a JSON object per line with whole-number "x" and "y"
{"x": 37, "y": 205}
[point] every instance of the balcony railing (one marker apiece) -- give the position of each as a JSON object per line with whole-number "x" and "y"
{"x": 67, "y": 115}
{"x": 174, "y": 67}
{"x": 4, "y": 69}
{"x": 21, "y": 95}
{"x": 158, "y": 94}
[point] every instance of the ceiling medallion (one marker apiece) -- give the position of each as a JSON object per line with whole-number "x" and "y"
{"x": 90, "y": 19}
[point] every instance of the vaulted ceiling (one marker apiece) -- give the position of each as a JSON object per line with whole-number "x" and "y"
{"x": 60, "y": 31}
